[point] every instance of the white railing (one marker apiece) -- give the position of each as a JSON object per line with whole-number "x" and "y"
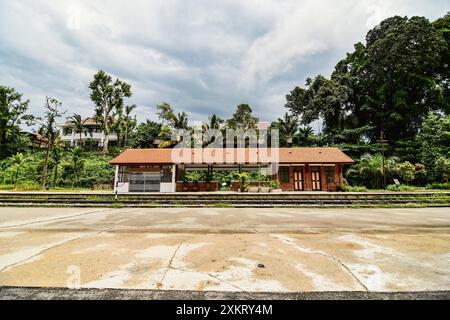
{"x": 95, "y": 136}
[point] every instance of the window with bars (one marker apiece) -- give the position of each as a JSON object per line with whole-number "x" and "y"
{"x": 329, "y": 174}
{"x": 284, "y": 175}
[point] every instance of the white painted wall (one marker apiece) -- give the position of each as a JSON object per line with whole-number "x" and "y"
{"x": 123, "y": 187}
{"x": 168, "y": 187}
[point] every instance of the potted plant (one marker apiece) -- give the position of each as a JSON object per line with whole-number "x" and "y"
{"x": 185, "y": 184}
{"x": 195, "y": 177}
{"x": 195, "y": 185}
{"x": 208, "y": 179}
{"x": 275, "y": 187}
{"x": 243, "y": 179}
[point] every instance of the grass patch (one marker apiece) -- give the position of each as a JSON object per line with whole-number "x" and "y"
{"x": 439, "y": 186}
{"x": 116, "y": 206}
{"x": 220, "y": 205}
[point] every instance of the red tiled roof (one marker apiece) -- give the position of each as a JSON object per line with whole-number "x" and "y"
{"x": 286, "y": 155}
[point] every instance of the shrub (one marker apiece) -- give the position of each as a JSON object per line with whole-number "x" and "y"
{"x": 439, "y": 186}
{"x": 442, "y": 166}
{"x": 406, "y": 172}
{"x": 401, "y": 187}
{"x": 243, "y": 179}
{"x": 275, "y": 185}
{"x": 420, "y": 173}
{"x": 355, "y": 189}
{"x": 28, "y": 186}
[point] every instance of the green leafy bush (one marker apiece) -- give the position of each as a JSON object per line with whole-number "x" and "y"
{"x": 71, "y": 168}
{"x": 355, "y": 189}
{"x": 439, "y": 186}
{"x": 400, "y": 187}
{"x": 243, "y": 179}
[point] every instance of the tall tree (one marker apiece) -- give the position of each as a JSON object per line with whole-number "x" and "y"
{"x": 12, "y": 113}
{"x": 395, "y": 77}
{"x": 129, "y": 122}
{"x": 123, "y": 124}
{"x": 434, "y": 141}
{"x": 144, "y": 135}
{"x": 76, "y": 164}
{"x": 443, "y": 26}
{"x": 49, "y": 130}
{"x": 77, "y": 123}
{"x": 107, "y": 96}
{"x": 174, "y": 120}
{"x": 288, "y": 126}
{"x": 57, "y": 157}
{"x": 243, "y": 118}
{"x": 305, "y": 136}
{"x": 215, "y": 123}
{"x": 180, "y": 121}
{"x": 388, "y": 84}
{"x": 171, "y": 123}
{"x": 323, "y": 99}
{"x": 17, "y": 162}
{"x": 165, "y": 113}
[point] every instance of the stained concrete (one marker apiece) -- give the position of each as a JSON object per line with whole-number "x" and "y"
{"x": 227, "y": 250}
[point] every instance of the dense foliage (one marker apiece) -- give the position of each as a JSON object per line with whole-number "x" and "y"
{"x": 69, "y": 169}
{"x": 395, "y": 85}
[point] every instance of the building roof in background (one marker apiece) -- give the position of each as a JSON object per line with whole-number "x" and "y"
{"x": 263, "y": 125}
{"x": 286, "y": 155}
{"x": 86, "y": 122}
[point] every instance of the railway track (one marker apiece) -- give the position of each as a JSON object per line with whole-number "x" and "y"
{"x": 225, "y": 200}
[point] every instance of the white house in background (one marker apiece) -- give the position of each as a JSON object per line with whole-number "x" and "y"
{"x": 92, "y": 137}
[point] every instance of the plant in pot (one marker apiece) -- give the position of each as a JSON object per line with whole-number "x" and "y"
{"x": 195, "y": 178}
{"x": 275, "y": 186}
{"x": 185, "y": 184}
{"x": 243, "y": 179}
{"x": 208, "y": 180}
{"x": 195, "y": 186}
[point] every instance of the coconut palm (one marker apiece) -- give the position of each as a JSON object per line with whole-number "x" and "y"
{"x": 180, "y": 121}
{"x": 215, "y": 123}
{"x": 77, "y": 123}
{"x": 17, "y": 161}
{"x": 166, "y": 137}
{"x": 369, "y": 169}
{"x": 76, "y": 163}
{"x": 305, "y": 136}
{"x": 288, "y": 127}
{"x": 129, "y": 122}
{"x": 58, "y": 154}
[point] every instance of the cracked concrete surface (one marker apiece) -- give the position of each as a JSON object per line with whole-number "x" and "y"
{"x": 212, "y": 249}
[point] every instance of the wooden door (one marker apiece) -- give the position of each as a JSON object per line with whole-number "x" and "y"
{"x": 316, "y": 180}
{"x": 298, "y": 179}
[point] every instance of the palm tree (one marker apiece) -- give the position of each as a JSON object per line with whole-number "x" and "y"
{"x": 370, "y": 169}
{"x": 58, "y": 154}
{"x": 215, "y": 123}
{"x": 305, "y": 135}
{"x": 128, "y": 122}
{"x": 77, "y": 163}
{"x": 77, "y": 123}
{"x": 180, "y": 121}
{"x": 17, "y": 161}
{"x": 176, "y": 122}
{"x": 166, "y": 136}
{"x": 288, "y": 127}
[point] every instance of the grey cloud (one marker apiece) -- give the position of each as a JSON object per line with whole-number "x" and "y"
{"x": 201, "y": 56}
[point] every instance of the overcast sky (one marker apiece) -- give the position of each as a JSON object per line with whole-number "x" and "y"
{"x": 202, "y": 57}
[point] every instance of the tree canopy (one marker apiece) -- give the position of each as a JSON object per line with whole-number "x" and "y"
{"x": 388, "y": 84}
{"x": 108, "y": 96}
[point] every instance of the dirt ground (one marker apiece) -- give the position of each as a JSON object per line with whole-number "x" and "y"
{"x": 248, "y": 250}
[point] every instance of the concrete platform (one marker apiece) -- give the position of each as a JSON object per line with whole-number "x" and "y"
{"x": 22, "y": 293}
{"x": 227, "y": 250}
